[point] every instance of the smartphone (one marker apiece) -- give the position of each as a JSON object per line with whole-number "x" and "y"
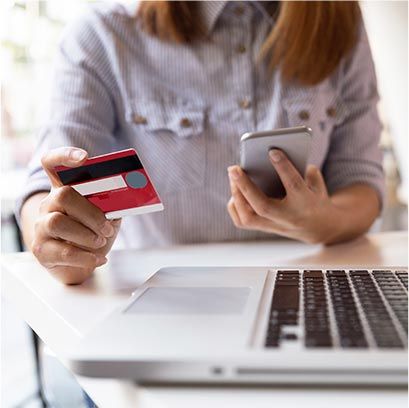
{"x": 295, "y": 142}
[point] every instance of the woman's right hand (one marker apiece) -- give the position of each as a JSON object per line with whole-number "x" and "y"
{"x": 71, "y": 235}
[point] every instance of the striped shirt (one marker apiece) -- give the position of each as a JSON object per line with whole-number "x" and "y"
{"x": 185, "y": 107}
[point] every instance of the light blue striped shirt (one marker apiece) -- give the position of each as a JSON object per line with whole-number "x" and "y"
{"x": 184, "y": 108}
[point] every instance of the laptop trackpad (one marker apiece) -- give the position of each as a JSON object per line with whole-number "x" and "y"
{"x": 191, "y": 300}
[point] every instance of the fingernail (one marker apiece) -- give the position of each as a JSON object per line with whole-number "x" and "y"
{"x": 107, "y": 230}
{"x": 275, "y": 155}
{"x": 101, "y": 260}
{"x": 78, "y": 155}
{"x": 100, "y": 241}
{"x": 234, "y": 173}
{"x": 116, "y": 222}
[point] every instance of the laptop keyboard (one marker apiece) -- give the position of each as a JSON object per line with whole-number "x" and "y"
{"x": 339, "y": 308}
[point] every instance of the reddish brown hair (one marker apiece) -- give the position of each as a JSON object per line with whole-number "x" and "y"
{"x": 307, "y": 42}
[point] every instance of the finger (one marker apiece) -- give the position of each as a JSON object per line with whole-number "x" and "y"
{"x": 116, "y": 224}
{"x": 231, "y": 209}
{"x": 248, "y": 219}
{"x": 257, "y": 200}
{"x": 238, "y": 196}
{"x": 62, "y": 156}
{"x": 314, "y": 179}
{"x": 60, "y": 226}
{"x": 65, "y": 199}
{"x": 70, "y": 275}
{"x": 289, "y": 175}
{"x": 243, "y": 209}
{"x": 52, "y": 252}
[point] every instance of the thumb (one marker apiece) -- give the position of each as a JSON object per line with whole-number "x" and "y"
{"x": 110, "y": 241}
{"x": 62, "y": 156}
{"x": 314, "y": 180}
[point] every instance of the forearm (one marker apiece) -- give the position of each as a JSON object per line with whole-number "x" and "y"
{"x": 29, "y": 214}
{"x": 353, "y": 211}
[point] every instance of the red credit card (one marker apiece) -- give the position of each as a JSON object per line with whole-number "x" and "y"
{"x": 117, "y": 183}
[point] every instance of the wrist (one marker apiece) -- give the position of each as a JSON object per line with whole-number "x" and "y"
{"x": 331, "y": 224}
{"x": 29, "y": 214}
{"x": 339, "y": 225}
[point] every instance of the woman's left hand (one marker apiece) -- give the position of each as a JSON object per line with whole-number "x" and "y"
{"x": 306, "y": 212}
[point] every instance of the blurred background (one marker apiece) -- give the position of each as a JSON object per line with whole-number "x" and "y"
{"x": 29, "y": 34}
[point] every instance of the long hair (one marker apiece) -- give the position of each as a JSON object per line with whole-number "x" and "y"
{"x": 306, "y": 44}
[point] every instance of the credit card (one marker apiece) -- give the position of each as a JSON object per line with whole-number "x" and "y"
{"x": 117, "y": 183}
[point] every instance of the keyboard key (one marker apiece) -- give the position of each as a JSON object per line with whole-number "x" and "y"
{"x": 403, "y": 277}
{"x": 285, "y": 297}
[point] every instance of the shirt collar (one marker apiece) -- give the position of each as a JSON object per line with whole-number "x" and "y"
{"x": 209, "y": 12}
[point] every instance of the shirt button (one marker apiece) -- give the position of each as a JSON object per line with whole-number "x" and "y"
{"x": 241, "y": 49}
{"x": 239, "y": 10}
{"x": 304, "y": 115}
{"x": 331, "y": 112}
{"x": 139, "y": 119}
{"x": 244, "y": 103}
{"x": 185, "y": 122}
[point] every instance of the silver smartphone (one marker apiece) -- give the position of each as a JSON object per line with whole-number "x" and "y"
{"x": 254, "y": 160}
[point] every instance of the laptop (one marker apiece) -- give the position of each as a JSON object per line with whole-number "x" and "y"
{"x": 256, "y": 325}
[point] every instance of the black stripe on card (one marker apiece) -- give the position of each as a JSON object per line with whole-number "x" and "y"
{"x": 103, "y": 169}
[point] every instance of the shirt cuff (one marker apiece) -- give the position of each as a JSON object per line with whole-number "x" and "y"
{"x": 34, "y": 184}
{"x": 337, "y": 177}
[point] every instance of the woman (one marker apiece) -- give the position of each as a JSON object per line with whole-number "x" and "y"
{"x": 180, "y": 82}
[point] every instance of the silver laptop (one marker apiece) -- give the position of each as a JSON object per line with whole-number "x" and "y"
{"x": 256, "y": 325}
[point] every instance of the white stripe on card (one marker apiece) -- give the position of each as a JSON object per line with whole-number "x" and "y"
{"x": 99, "y": 186}
{"x": 112, "y": 215}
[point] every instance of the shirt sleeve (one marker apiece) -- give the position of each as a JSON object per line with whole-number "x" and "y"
{"x": 81, "y": 110}
{"x": 354, "y": 155}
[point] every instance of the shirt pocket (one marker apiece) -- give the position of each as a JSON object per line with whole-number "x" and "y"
{"x": 321, "y": 112}
{"x": 169, "y": 136}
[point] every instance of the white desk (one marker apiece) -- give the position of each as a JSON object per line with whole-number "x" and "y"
{"x": 61, "y": 315}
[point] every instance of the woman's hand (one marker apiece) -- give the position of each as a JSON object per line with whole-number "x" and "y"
{"x": 306, "y": 213}
{"x": 71, "y": 235}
